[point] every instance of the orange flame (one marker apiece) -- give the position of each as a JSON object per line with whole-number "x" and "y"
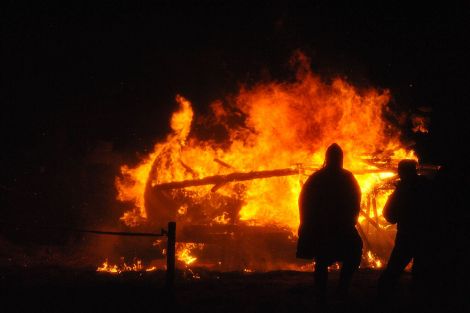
{"x": 373, "y": 260}
{"x": 137, "y": 266}
{"x": 270, "y": 126}
{"x": 183, "y": 252}
{"x": 420, "y": 124}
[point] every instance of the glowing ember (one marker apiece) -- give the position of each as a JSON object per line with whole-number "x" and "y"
{"x": 137, "y": 266}
{"x": 420, "y": 124}
{"x": 106, "y": 267}
{"x": 222, "y": 219}
{"x": 374, "y": 262}
{"x": 183, "y": 252}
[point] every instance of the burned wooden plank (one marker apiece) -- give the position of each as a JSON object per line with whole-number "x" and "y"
{"x": 220, "y": 234}
{"x": 364, "y": 237}
{"x": 223, "y": 163}
{"x": 224, "y": 179}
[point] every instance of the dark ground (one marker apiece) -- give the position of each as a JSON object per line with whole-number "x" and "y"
{"x": 65, "y": 290}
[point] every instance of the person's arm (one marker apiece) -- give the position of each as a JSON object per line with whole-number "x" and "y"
{"x": 390, "y": 211}
{"x": 353, "y": 200}
{"x": 357, "y": 198}
{"x": 305, "y": 198}
{"x": 302, "y": 202}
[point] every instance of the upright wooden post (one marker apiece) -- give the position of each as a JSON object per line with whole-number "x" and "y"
{"x": 374, "y": 206}
{"x": 368, "y": 213}
{"x": 170, "y": 254}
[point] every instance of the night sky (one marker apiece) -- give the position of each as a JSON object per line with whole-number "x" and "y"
{"x": 77, "y": 78}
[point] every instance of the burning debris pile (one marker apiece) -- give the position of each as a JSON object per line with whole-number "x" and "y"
{"x": 231, "y": 180}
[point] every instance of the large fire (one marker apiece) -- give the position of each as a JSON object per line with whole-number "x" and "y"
{"x": 242, "y": 167}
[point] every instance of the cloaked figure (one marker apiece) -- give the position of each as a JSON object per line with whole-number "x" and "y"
{"x": 410, "y": 208}
{"x": 329, "y": 205}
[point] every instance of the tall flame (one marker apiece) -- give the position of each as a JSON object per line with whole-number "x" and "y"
{"x": 271, "y": 125}
{"x": 132, "y": 187}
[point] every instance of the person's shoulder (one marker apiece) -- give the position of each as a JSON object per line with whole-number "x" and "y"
{"x": 349, "y": 177}
{"x": 315, "y": 176}
{"x": 347, "y": 174}
{"x": 425, "y": 182}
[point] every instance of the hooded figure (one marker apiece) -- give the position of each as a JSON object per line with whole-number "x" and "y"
{"x": 329, "y": 205}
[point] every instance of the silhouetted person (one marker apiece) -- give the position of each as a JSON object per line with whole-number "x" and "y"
{"x": 409, "y": 207}
{"x": 329, "y": 205}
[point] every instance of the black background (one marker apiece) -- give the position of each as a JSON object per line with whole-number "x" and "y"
{"x": 75, "y": 77}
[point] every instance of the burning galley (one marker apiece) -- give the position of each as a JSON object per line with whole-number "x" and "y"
{"x": 231, "y": 180}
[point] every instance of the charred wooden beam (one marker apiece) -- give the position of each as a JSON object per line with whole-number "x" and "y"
{"x": 370, "y": 220}
{"x": 368, "y": 211}
{"x": 374, "y": 207}
{"x": 379, "y": 229}
{"x": 223, "y": 163}
{"x": 221, "y": 234}
{"x": 364, "y": 237}
{"x": 224, "y": 179}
